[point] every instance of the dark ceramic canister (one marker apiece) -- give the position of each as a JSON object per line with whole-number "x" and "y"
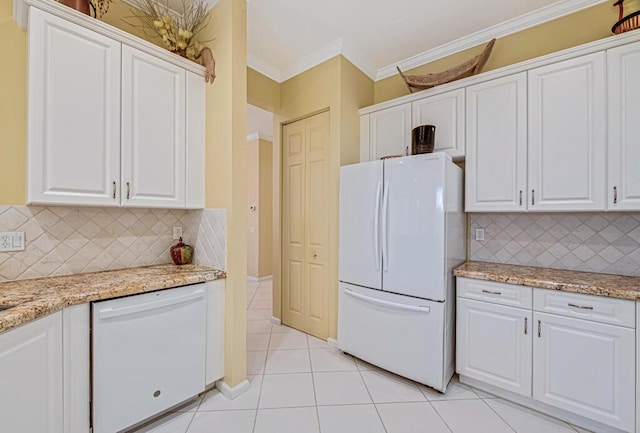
{"x": 423, "y": 139}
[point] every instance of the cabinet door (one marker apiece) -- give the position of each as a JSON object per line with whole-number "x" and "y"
{"x": 31, "y": 377}
{"x": 195, "y": 141}
{"x": 567, "y": 135}
{"x": 585, "y": 368}
{"x": 153, "y": 131}
{"x": 446, "y": 112}
{"x": 494, "y": 345}
{"x": 496, "y": 161}
{"x": 390, "y": 132}
{"x": 624, "y": 127}
{"x": 74, "y": 114}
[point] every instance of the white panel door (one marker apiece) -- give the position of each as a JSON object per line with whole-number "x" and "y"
{"x": 494, "y": 345}
{"x": 360, "y": 204}
{"x": 31, "y": 377}
{"x": 567, "y": 135}
{"x": 496, "y": 162}
{"x": 413, "y": 226}
{"x": 446, "y": 112}
{"x": 624, "y": 127}
{"x": 390, "y": 132}
{"x": 153, "y": 131}
{"x": 401, "y": 334}
{"x": 585, "y": 368}
{"x": 74, "y": 114}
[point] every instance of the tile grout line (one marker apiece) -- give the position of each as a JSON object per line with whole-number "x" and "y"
{"x": 499, "y": 416}
{"x": 371, "y": 397}
{"x": 264, "y": 368}
{"x": 313, "y": 383}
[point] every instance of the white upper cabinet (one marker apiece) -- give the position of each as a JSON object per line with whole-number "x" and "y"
{"x": 496, "y": 162}
{"x": 390, "y": 132}
{"x": 624, "y": 127}
{"x": 74, "y": 114}
{"x": 567, "y": 135}
{"x": 153, "y": 131}
{"x": 110, "y": 125}
{"x": 31, "y": 394}
{"x": 446, "y": 112}
{"x": 585, "y": 368}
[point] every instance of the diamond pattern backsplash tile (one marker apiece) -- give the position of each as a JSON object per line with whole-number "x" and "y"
{"x": 592, "y": 242}
{"x": 69, "y": 240}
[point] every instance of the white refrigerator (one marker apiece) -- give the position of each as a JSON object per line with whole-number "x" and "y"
{"x": 402, "y": 232}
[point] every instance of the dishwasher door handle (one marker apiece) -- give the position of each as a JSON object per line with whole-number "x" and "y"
{"x": 109, "y": 313}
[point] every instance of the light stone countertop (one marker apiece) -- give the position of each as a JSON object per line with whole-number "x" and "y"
{"x": 42, "y": 296}
{"x": 588, "y": 283}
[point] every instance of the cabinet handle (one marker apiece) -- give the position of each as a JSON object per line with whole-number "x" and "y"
{"x": 615, "y": 195}
{"x": 580, "y": 307}
{"x": 406, "y": 151}
{"x": 520, "y": 197}
{"x": 526, "y": 321}
{"x": 113, "y": 190}
{"x": 128, "y": 190}
{"x": 539, "y": 329}
{"x": 491, "y": 292}
{"x": 533, "y": 197}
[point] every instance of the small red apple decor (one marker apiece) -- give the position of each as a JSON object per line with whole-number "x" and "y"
{"x": 181, "y": 254}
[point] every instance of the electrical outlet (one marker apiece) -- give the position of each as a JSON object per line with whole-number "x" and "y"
{"x": 479, "y": 234}
{"x": 177, "y": 232}
{"x": 11, "y": 241}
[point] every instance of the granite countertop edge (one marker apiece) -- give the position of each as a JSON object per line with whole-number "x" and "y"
{"x": 588, "y": 283}
{"x": 39, "y": 297}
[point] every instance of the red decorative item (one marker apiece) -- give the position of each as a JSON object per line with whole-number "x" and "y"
{"x": 625, "y": 24}
{"x": 83, "y": 6}
{"x": 181, "y": 253}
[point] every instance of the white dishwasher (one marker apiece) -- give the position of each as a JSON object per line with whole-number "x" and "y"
{"x": 148, "y": 354}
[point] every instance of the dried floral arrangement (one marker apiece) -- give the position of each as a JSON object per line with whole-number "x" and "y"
{"x": 181, "y": 34}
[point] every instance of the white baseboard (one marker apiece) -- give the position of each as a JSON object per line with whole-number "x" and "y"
{"x": 232, "y": 392}
{"x": 258, "y": 280}
{"x": 332, "y": 342}
{"x": 276, "y": 321}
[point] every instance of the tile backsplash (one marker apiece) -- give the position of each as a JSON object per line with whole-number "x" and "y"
{"x": 69, "y": 240}
{"x": 593, "y": 242}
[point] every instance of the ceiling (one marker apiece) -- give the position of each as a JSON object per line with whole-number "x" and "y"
{"x": 286, "y": 37}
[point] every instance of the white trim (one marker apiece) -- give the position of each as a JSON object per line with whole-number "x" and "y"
{"x": 265, "y": 68}
{"x": 312, "y": 59}
{"x": 276, "y": 321}
{"x": 531, "y": 19}
{"x": 569, "y": 53}
{"x": 260, "y": 136}
{"x": 360, "y": 61}
{"x": 20, "y": 9}
{"x": 233, "y": 392}
{"x": 332, "y": 342}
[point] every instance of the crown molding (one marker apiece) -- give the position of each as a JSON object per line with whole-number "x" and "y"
{"x": 266, "y": 69}
{"x": 359, "y": 61}
{"x": 312, "y": 59}
{"x": 259, "y": 136}
{"x": 505, "y": 28}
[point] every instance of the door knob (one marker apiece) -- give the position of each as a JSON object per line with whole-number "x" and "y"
{"x": 315, "y": 255}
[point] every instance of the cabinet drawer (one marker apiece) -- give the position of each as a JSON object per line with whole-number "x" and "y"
{"x": 612, "y": 311}
{"x": 498, "y": 293}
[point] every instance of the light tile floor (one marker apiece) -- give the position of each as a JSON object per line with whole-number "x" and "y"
{"x": 301, "y": 385}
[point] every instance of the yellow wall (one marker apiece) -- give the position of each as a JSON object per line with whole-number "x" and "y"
{"x": 265, "y": 208}
{"x": 356, "y": 91}
{"x": 262, "y": 91}
{"x": 13, "y": 108}
{"x": 253, "y": 193}
{"x": 569, "y": 31}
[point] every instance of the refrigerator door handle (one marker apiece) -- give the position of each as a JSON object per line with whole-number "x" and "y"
{"x": 385, "y": 208}
{"x": 376, "y": 226}
{"x": 395, "y": 305}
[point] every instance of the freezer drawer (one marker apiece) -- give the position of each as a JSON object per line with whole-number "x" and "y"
{"x": 148, "y": 355}
{"x": 398, "y": 333}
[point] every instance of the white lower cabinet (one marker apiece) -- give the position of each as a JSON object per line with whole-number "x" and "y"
{"x": 584, "y": 367}
{"x": 31, "y": 377}
{"x": 494, "y": 344}
{"x": 573, "y": 363}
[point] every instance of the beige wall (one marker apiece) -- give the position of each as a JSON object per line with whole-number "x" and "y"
{"x": 579, "y": 28}
{"x": 260, "y": 221}
{"x": 262, "y": 91}
{"x": 341, "y": 88}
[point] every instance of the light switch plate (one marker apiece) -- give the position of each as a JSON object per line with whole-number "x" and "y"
{"x": 177, "y": 232}
{"x": 479, "y": 234}
{"x": 11, "y": 241}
